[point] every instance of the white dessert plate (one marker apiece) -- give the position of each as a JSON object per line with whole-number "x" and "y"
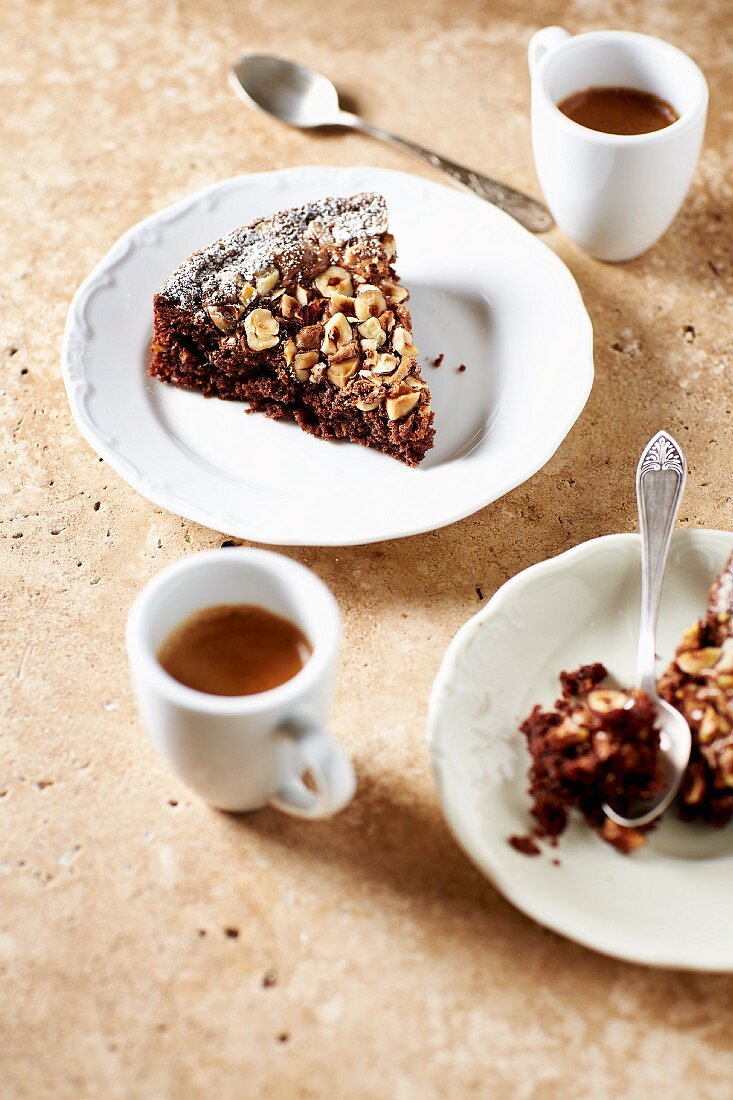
{"x": 670, "y": 904}
{"x": 485, "y": 293}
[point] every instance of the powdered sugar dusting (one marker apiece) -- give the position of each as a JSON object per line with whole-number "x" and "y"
{"x": 289, "y": 239}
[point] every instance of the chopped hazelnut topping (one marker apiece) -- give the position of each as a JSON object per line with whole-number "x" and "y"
{"x": 346, "y": 351}
{"x": 267, "y": 281}
{"x": 386, "y": 363}
{"x": 372, "y": 330}
{"x": 261, "y": 329}
{"x": 225, "y": 316}
{"x": 394, "y": 293}
{"x": 303, "y": 364}
{"x": 369, "y": 302}
{"x": 289, "y": 351}
{"x": 334, "y": 280}
{"x": 288, "y": 305}
{"x": 697, "y": 660}
{"x": 342, "y": 373}
{"x": 336, "y": 333}
{"x": 247, "y": 295}
{"x": 399, "y": 407}
{"x": 402, "y": 342}
{"x": 607, "y": 701}
{"x": 341, "y": 303}
{"x": 400, "y": 374}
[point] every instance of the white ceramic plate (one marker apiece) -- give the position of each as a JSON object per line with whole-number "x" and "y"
{"x": 670, "y": 904}
{"x": 484, "y": 292}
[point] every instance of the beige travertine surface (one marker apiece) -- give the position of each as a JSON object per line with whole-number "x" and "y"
{"x": 398, "y": 971}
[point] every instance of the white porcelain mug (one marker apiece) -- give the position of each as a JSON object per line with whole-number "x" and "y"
{"x": 614, "y": 194}
{"x": 244, "y": 752}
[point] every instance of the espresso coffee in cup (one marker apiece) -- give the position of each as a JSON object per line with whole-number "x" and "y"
{"x": 618, "y": 110}
{"x": 234, "y": 649}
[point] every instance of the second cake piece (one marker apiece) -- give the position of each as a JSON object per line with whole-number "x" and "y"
{"x": 699, "y": 682}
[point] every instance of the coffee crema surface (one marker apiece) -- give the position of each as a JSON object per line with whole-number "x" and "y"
{"x": 618, "y": 110}
{"x": 234, "y": 649}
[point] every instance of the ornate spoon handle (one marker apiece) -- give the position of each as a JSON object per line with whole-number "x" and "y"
{"x": 660, "y": 482}
{"x": 526, "y": 210}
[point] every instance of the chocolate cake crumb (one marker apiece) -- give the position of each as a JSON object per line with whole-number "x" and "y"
{"x": 526, "y": 845}
{"x": 461, "y": 368}
{"x": 581, "y": 681}
{"x": 596, "y": 745}
{"x": 438, "y": 360}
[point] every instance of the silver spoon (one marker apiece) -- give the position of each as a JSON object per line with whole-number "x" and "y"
{"x": 660, "y": 482}
{"x": 304, "y": 98}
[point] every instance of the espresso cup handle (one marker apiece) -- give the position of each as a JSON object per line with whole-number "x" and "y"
{"x": 542, "y": 42}
{"x": 329, "y": 767}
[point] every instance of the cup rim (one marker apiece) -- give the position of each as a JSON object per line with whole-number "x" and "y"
{"x": 576, "y": 41}
{"x": 143, "y": 659}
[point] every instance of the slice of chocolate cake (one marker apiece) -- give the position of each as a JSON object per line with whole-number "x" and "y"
{"x": 302, "y": 315}
{"x": 699, "y": 682}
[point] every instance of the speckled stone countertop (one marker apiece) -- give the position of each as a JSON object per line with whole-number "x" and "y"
{"x": 150, "y": 947}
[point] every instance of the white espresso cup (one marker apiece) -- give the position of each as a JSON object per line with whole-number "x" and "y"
{"x": 246, "y": 751}
{"x": 614, "y": 194}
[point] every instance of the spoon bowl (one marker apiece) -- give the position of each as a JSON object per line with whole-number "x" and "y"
{"x": 295, "y": 94}
{"x": 675, "y": 742}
